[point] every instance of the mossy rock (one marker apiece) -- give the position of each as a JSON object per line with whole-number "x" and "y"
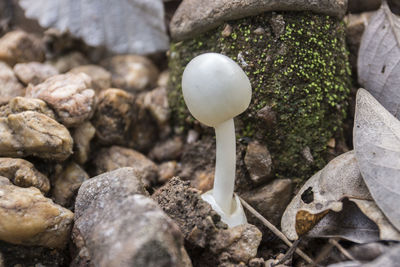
{"x": 298, "y": 67}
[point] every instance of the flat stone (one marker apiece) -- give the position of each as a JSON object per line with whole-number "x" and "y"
{"x": 116, "y": 225}
{"x": 67, "y": 183}
{"x": 114, "y": 157}
{"x": 258, "y": 162}
{"x": 23, "y": 174}
{"x": 28, "y": 218}
{"x": 34, "y": 72}
{"x": 19, "y": 47}
{"x": 69, "y": 95}
{"x": 131, "y": 72}
{"x": 101, "y": 78}
{"x": 31, "y": 133}
{"x": 9, "y": 85}
{"x": 271, "y": 200}
{"x": 192, "y": 18}
{"x": 114, "y": 115}
{"x": 82, "y": 136}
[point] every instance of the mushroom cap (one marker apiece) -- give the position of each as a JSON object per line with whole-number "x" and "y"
{"x": 215, "y": 88}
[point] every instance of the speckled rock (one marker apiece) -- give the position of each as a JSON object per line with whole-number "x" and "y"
{"x": 67, "y": 183}
{"x": 33, "y": 133}
{"x": 111, "y": 158}
{"x": 156, "y": 101}
{"x": 34, "y": 72}
{"x": 22, "y": 173}
{"x": 117, "y": 226}
{"x": 9, "y": 85}
{"x": 101, "y": 78}
{"x": 28, "y": 218}
{"x": 191, "y": 18}
{"x": 170, "y": 149}
{"x": 69, "y": 61}
{"x": 69, "y": 95}
{"x": 20, "y": 104}
{"x": 19, "y": 46}
{"x": 131, "y": 72}
{"x": 82, "y": 136}
{"x": 271, "y": 200}
{"x": 201, "y": 226}
{"x": 114, "y": 116}
{"x": 258, "y": 162}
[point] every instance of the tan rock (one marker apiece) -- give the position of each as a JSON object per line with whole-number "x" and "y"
{"x": 82, "y": 136}
{"x": 22, "y": 173}
{"x": 166, "y": 171}
{"x": 170, "y": 149}
{"x": 28, "y": 218}
{"x": 131, "y": 72}
{"x": 156, "y": 101}
{"x": 114, "y": 116}
{"x": 112, "y": 158}
{"x": 69, "y": 61}
{"x": 69, "y": 95}
{"x": 19, "y": 46}
{"x": 34, "y": 72}
{"x": 101, "y": 78}
{"x": 67, "y": 183}
{"x": 19, "y": 104}
{"x": 163, "y": 79}
{"x": 32, "y": 133}
{"x": 9, "y": 85}
{"x": 258, "y": 162}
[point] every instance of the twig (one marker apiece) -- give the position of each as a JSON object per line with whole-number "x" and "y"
{"x": 334, "y": 242}
{"x": 275, "y": 230}
{"x": 288, "y": 254}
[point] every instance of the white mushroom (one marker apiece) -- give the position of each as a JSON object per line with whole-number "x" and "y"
{"x": 216, "y": 90}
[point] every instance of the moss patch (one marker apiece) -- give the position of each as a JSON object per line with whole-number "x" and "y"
{"x": 297, "y": 64}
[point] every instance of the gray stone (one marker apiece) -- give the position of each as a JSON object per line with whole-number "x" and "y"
{"x": 70, "y": 95}
{"x": 116, "y": 226}
{"x": 22, "y": 173}
{"x": 258, "y": 162}
{"x": 34, "y": 72}
{"x": 111, "y": 158}
{"x": 271, "y": 200}
{"x": 192, "y": 18}
{"x": 9, "y": 85}
{"x": 101, "y": 78}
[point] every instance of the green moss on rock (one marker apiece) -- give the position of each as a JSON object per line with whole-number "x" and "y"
{"x": 297, "y": 64}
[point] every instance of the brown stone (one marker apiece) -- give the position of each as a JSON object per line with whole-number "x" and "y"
{"x": 131, "y": 72}
{"x": 22, "y": 173}
{"x": 82, "y": 136}
{"x": 170, "y": 149}
{"x": 33, "y": 133}
{"x": 271, "y": 200}
{"x": 28, "y": 218}
{"x": 34, "y": 72}
{"x": 20, "y": 104}
{"x": 258, "y": 162}
{"x": 156, "y": 101}
{"x": 166, "y": 171}
{"x": 69, "y": 61}
{"x": 9, "y": 85}
{"x": 163, "y": 79}
{"x": 114, "y": 115}
{"x": 69, "y": 95}
{"x": 112, "y": 158}
{"x": 19, "y": 46}
{"x": 101, "y": 78}
{"x": 67, "y": 183}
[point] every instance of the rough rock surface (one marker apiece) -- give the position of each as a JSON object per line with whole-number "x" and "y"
{"x": 34, "y": 72}
{"x": 114, "y": 115}
{"x": 69, "y": 61}
{"x": 111, "y": 158}
{"x": 116, "y": 226}
{"x": 170, "y": 149}
{"x": 201, "y": 226}
{"x": 19, "y": 46}
{"x": 67, "y": 183}
{"x": 258, "y": 162}
{"x": 28, "y": 218}
{"x": 22, "y": 173}
{"x": 131, "y": 72}
{"x": 9, "y": 85}
{"x": 69, "y": 95}
{"x": 82, "y": 136}
{"x": 20, "y": 104}
{"x": 271, "y": 200}
{"x": 33, "y": 133}
{"x": 101, "y": 78}
{"x": 191, "y": 18}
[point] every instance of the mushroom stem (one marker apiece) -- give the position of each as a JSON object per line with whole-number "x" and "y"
{"x": 225, "y": 165}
